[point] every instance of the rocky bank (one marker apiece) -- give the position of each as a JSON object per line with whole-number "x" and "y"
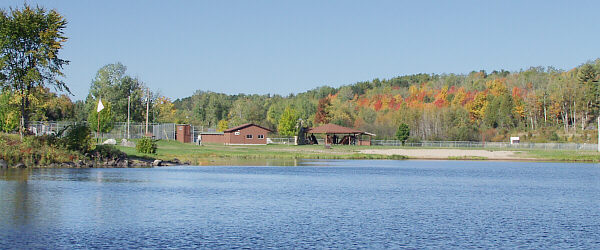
{"x": 104, "y": 163}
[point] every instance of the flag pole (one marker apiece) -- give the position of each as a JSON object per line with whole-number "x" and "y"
{"x": 128, "y": 114}
{"x": 98, "y": 109}
{"x": 98, "y": 130}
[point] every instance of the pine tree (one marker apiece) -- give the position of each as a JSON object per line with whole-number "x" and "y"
{"x": 403, "y": 133}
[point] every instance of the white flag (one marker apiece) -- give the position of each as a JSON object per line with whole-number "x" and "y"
{"x": 100, "y": 106}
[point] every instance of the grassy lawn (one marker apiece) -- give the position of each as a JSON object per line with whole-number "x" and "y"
{"x": 168, "y": 150}
{"x": 562, "y": 155}
{"x": 36, "y": 152}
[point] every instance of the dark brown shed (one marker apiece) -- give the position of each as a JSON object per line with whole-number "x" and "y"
{"x": 184, "y": 133}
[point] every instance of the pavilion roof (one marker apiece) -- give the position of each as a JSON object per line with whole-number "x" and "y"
{"x": 333, "y": 129}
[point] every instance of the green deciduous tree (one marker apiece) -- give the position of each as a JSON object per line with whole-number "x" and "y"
{"x": 275, "y": 110}
{"x": 113, "y": 85}
{"x": 165, "y": 109}
{"x": 341, "y": 113}
{"x": 80, "y": 112}
{"x": 205, "y": 107}
{"x": 288, "y": 123}
{"x": 250, "y": 109}
{"x": 9, "y": 113}
{"x": 106, "y": 118}
{"x": 222, "y": 125}
{"x": 47, "y": 106}
{"x": 499, "y": 112}
{"x": 30, "y": 40}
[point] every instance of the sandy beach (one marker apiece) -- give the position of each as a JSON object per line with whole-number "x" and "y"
{"x": 446, "y": 153}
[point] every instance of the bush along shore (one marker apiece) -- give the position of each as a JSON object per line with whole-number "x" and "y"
{"x": 74, "y": 150}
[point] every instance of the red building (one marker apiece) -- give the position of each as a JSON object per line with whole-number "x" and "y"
{"x": 246, "y": 134}
{"x": 212, "y": 137}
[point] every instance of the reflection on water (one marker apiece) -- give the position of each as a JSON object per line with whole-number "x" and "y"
{"x": 315, "y": 204}
{"x": 20, "y": 206}
{"x": 250, "y": 162}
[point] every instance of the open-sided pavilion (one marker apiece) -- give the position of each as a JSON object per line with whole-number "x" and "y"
{"x": 336, "y": 134}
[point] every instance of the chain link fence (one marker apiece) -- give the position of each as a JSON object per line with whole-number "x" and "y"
{"x": 288, "y": 141}
{"x": 471, "y": 144}
{"x": 464, "y": 144}
{"x": 50, "y": 128}
{"x": 167, "y": 131}
{"x": 162, "y": 131}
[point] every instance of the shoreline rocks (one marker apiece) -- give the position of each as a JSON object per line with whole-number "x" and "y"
{"x": 107, "y": 163}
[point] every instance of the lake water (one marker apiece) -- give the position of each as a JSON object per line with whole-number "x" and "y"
{"x": 315, "y": 204}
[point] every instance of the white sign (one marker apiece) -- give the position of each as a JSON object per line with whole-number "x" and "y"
{"x": 514, "y": 140}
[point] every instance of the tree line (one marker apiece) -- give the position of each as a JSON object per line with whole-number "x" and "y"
{"x": 537, "y": 104}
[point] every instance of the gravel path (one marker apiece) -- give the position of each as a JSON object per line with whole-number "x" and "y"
{"x": 445, "y": 153}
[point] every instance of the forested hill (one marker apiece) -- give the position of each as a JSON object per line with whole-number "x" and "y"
{"x": 539, "y": 104}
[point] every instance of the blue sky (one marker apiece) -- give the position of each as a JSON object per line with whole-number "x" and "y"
{"x": 282, "y": 47}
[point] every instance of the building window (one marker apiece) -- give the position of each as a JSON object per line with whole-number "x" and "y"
{"x": 248, "y": 136}
{"x": 237, "y": 133}
{"x": 261, "y": 136}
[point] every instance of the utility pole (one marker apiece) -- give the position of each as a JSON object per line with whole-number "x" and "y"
{"x": 598, "y": 90}
{"x": 147, "y": 108}
{"x": 128, "y": 114}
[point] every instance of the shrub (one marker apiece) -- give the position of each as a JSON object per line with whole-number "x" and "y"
{"x": 78, "y": 138}
{"x": 33, "y": 142}
{"x": 105, "y": 152}
{"x": 34, "y": 151}
{"x": 554, "y": 137}
{"x": 463, "y": 133}
{"x": 146, "y": 146}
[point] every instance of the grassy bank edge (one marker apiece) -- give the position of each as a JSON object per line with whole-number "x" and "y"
{"x": 168, "y": 150}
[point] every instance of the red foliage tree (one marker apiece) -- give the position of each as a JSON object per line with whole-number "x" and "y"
{"x": 377, "y": 105}
{"x": 322, "y": 116}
